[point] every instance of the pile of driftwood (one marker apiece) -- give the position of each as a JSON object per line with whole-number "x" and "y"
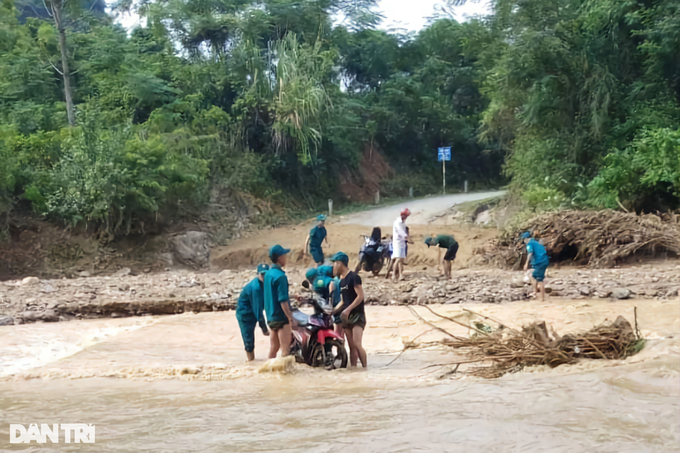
{"x": 493, "y": 352}
{"x": 596, "y": 238}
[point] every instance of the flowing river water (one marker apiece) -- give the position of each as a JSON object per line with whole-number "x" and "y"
{"x": 180, "y": 383}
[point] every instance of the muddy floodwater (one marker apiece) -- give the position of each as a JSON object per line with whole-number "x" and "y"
{"x": 180, "y": 383}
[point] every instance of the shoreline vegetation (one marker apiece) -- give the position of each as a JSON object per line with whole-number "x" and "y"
{"x": 122, "y": 132}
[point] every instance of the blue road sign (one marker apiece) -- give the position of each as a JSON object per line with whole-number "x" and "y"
{"x": 444, "y": 154}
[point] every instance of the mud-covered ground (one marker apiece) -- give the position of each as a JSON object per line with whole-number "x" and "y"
{"x": 173, "y": 292}
{"x": 162, "y": 288}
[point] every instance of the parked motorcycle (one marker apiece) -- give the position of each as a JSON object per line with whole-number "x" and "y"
{"x": 373, "y": 255}
{"x": 314, "y": 341}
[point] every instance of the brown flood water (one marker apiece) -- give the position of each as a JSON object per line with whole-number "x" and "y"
{"x": 125, "y": 376}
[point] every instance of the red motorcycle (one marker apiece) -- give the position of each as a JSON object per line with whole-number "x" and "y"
{"x": 314, "y": 341}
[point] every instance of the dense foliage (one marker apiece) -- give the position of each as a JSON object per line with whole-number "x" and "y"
{"x": 279, "y": 98}
{"x": 585, "y": 98}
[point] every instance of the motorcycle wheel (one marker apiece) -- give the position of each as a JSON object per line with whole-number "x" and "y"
{"x": 340, "y": 356}
{"x": 377, "y": 267}
{"x": 296, "y": 352}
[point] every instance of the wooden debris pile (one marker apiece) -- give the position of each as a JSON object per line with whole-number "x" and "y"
{"x": 495, "y": 352}
{"x": 596, "y": 238}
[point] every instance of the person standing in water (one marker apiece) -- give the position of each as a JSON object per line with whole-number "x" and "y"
{"x": 399, "y": 239}
{"x": 351, "y": 308}
{"x": 250, "y": 311}
{"x": 449, "y": 243}
{"x": 314, "y": 242}
{"x": 539, "y": 262}
{"x": 277, "y": 303}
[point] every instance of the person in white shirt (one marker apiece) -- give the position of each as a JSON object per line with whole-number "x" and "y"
{"x": 399, "y": 238}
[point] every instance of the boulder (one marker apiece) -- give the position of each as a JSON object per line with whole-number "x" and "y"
{"x": 47, "y": 289}
{"x": 29, "y": 281}
{"x": 6, "y": 321}
{"x": 621, "y": 293}
{"x": 122, "y": 272}
{"x": 189, "y": 369}
{"x": 166, "y": 258}
{"x": 483, "y": 218}
{"x": 188, "y": 283}
{"x": 49, "y": 316}
{"x": 584, "y": 291}
{"x": 30, "y": 316}
{"x": 191, "y": 248}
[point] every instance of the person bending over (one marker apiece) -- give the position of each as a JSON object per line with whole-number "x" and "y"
{"x": 448, "y": 243}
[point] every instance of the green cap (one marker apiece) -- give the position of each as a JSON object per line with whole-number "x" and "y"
{"x": 311, "y": 274}
{"x": 428, "y": 241}
{"x": 276, "y": 252}
{"x": 262, "y": 268}
{"x": 321, "y": 218}
{"x": 342, "y": 257}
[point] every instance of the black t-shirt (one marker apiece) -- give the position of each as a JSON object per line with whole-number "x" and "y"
{"x": 349, "y": 293}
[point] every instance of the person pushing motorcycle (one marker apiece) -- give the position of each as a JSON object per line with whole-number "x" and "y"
{"x": 321, "y": 281}
{"x": 250, "y": 311}
{"x": 277, "y": 303}
{"x": 352, "y": 308}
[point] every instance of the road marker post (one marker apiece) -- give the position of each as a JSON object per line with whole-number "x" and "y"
{"x": 444, "y": 155}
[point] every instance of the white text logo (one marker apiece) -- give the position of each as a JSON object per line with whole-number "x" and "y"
{"x": 72, "y": 433}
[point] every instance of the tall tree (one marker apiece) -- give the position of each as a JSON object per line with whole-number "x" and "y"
{"x": 56, "y": 9}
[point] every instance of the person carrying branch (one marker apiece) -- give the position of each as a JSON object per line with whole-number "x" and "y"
{"x": 539, "y": 262}
{"x": 448, "y": 243}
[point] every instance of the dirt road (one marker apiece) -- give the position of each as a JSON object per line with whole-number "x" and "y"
{"x": 344, "y": 233}
{"x": 421, "y": 209}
